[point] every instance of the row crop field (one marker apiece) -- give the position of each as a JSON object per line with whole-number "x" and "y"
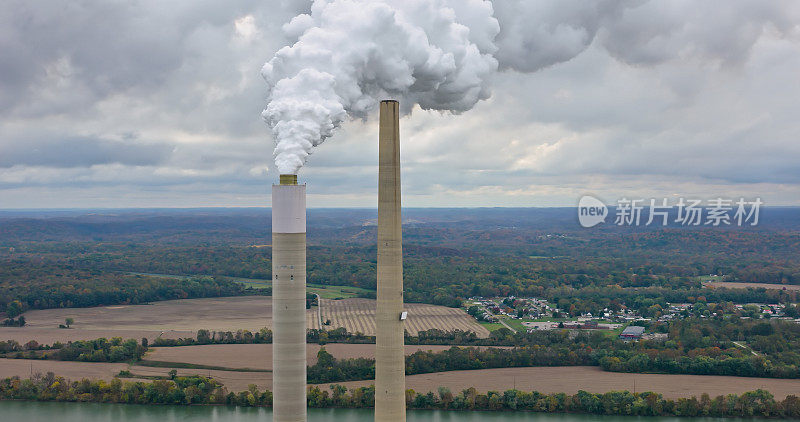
{"x": 358, "y": 315}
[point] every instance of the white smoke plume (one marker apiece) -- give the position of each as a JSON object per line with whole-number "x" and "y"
{"x": 351, "y": 54}
{"x": 346, "y": 55}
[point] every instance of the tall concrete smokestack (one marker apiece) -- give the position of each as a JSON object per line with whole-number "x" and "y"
{"x": 289, "y": 300}
{"x": 390, "y": 382}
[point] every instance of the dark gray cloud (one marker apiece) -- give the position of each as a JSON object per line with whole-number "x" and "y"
{"x": 538, "y": 34}
{"x": 724, "y": 31}
{"x": 91, "y": 50}
{"x": 155, "y": 103}
{"x": 70, "y": 151}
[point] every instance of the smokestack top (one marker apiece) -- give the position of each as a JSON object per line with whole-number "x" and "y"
{"x": 388, "y": 101}
{"x": 288, "y": 179}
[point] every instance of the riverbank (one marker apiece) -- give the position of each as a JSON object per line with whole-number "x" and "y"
{"x": 555, "y": 379}
{"x": 197, "y": 390}
{"x": 101, "y": 412}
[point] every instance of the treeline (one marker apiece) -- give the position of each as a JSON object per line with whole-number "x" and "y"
{"x": 329, "y": 369}
{"x": 694, "y": 346}
{"x": 757, "y": 403}
{"x": 750, "y": 366}
{"x": 443, "y": 263}
{"x": 264, "y": 336}
{"x": 180, "y": 390}
{"x": 14, "y": 322}
{"x": 37, "y": 286}
{"x": 591, "y": 299}
{"x": 99, "y": 350}
{"x": 202, "y": 390}
{"x": 706, "y": 347}
{"x": 501, "y": 337}
{"x": 497, "y": 257}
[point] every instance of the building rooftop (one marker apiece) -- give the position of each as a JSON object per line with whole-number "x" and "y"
{"x": 633, "y": 330}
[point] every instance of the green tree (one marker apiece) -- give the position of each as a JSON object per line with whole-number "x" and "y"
{"x": 203, "y": 336}
{"x": 14, "y": 308}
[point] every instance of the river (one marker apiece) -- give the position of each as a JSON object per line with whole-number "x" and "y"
{"x": 95, "y": 412}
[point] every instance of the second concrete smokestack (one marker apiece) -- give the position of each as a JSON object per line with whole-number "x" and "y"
{"x": 289, "y": 300}
{"x": 390, "y": 383}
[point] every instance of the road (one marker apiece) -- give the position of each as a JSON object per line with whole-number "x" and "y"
{"x": 319, "y": 310}
{"x": 502, "y": 321}
{"x": 738, "y": 344}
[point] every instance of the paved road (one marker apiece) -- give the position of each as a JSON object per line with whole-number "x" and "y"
{"x": 738, "y": 344}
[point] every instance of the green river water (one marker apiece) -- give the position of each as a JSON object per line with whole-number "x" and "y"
{"x": 94, "y": 412}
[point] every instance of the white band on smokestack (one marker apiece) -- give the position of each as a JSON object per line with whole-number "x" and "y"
{"x": 288, "y": 208}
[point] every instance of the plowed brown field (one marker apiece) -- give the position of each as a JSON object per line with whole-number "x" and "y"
{"x": 182, "y": 318}
{"x": 544, "y": 379}
{"x": 259, "y": 356}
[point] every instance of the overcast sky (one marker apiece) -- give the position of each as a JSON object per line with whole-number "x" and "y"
{"x": 157, "y": 104}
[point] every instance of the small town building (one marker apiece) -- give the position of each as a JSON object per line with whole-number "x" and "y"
{"x": 632, "y": 332}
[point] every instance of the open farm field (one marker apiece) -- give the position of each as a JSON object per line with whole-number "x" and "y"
{"x": 259, "y": 356}
{"x": 52, "y": 335}
{"x": 570, "y": 379}
{"x": 234, "y": 381}
{"x": 740, "y": 285}
{"x": 358, "y": 315}
{"x": 544, "y": 379}
{"x": 24, "y": 368}
{"x": 182, "y": 318}
{"x": 221, "y": 314}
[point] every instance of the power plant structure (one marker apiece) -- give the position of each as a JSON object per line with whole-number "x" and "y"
{"x": 289, "y": 287}
{"x": 390, "y": 383}
{"x": 289, "y": 300}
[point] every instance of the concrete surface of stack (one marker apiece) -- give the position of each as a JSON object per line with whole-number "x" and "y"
{"x": 289, "y": 300}
{"x": 390, "y": 385}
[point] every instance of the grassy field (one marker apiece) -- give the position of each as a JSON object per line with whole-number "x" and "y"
{"x": 516, "y": 324}
{"x": 738, "y": 285}
{"x": 491, "y": 326}
{"x": 324, "y": 291}
{"x": 716, "y": 282}
{"x": 337, "y": 292}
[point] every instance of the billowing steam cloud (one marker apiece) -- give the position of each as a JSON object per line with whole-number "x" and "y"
{"x": 350, "y": 54}
{"x": 441, "y": 54}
